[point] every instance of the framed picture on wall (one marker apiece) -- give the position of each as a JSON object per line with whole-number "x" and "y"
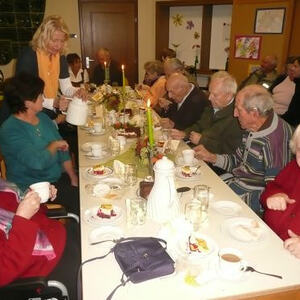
{"x": 269, "y": 20}
{"x": 247, "y": 46}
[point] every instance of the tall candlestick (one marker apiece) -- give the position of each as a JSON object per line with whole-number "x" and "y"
{"x": 150, "y": 124}
{"x": 106, "y": 73}
{"x": 123, "y": 80}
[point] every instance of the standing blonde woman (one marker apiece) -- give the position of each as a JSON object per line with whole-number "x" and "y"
{"x": 45, "y": 59}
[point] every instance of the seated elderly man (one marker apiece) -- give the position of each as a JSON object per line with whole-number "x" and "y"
{"x": 264, "y": 150}
{"x": 188, "y": 106}
{"x": 265, "y": 75}
{"x": 114, "y": 71}
{"x": 217, "y": 129}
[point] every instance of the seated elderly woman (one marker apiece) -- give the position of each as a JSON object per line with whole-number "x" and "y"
{"x": 281, "y": 200}
{"x": 31, "y": 244}
{"x": 30, "y": 143}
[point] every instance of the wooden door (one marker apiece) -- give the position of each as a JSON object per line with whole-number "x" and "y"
{"x": 113, "y": 25}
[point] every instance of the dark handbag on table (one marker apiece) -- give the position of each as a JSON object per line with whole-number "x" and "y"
{"x": 140, "y": 259}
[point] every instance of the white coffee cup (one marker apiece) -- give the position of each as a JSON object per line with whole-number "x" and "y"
{"x": 122, "y": 141}
{"x": 96, "y": 149}
{"x": 230, "y": 263}
{"x": 188, "y": 156}
{"x": 43, "y": 189}
{"x": 97, "y": 127}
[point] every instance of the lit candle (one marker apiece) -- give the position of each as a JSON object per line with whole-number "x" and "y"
{"x": 106, "y": 73}
{"x": 123, "y": 79}
{"x": 150, "y": 124}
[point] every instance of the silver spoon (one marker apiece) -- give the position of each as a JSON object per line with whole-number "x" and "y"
{"x": 251, "y": 269}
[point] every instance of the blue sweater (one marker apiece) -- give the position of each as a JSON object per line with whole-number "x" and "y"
{"x": 24, "y": 149}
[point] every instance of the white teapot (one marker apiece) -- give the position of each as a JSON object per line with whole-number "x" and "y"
{"x": 77, "y": 112}
{"x": 162, "y": 202}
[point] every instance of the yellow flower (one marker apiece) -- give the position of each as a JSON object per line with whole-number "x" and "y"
{"x": 177, "y": 20}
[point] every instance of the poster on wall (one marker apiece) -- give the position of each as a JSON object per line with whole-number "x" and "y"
{"x": 247, "y": 47}
{"x": 269, "y": 20}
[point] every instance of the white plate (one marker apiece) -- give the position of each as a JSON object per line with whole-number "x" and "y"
{"x": 184, "y": 250}
{"x": 245, "y": 229}
{"x": 179, "y": 174}
{"x": 180, "y": 162}
{"x": 105, "y": 233}
{"x": 226, "y": 208}
{"x": 90, "y": 173}
{"x": 103, "y": 155}
{"x": 90, "y": 216}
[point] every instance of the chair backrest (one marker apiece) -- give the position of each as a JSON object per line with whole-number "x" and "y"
{"x": 2, "y": 167}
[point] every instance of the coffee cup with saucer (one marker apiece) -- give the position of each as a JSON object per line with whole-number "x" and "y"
{"x": 230, "y": 264}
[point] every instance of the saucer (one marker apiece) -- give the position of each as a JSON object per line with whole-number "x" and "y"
{"x": 89, "y": 155}
{"x": 92, "y": 132}
{"x": 180, "y": 162}
{"x": 242, "y": 275}
{"x": 101, "y": 189}
{"x": 87, "y": 147}
{"x": 226, "y": 208}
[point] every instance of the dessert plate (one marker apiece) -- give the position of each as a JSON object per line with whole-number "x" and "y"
{"x": 245, "y": 229}
{"x": 194, "y": 176}
{"x": 90, "y": 173}
{"x": 105, "y": 233}
{"x": 90, "y": 216}
{"x": 185, "y": 244}
{"x": 226, "y": 208}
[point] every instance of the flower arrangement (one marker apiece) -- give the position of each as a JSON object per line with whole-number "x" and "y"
{"x": 109, "y": 96}
{"x": 144, "y": 153}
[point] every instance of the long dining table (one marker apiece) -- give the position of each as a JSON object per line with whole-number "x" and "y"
{"x": 266, "y": 254}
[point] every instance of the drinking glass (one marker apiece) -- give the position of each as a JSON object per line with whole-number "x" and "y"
{"x": 130, "y": 174}
{"x": 193, "y": 214}
{"x": 138, "y": 211}
{"x": 201, "y": 194}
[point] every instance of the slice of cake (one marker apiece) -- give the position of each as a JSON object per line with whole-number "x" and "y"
{"x": 106, "y": 211}
{"x": 186, "y": 171}
{"x": 98, "y": 169}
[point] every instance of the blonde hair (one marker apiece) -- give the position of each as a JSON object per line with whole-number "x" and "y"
{"x": 44, "y": 33}
{"x": 293, "y": 141}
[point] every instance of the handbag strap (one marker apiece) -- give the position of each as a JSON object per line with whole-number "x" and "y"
{"x": 138, "y": 238}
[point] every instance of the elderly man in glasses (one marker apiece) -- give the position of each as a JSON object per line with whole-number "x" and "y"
{"x": 264, "y": 150}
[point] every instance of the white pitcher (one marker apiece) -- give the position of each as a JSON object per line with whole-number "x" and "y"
{"x": 162, "y": 202}
{"x": 77, "y": 112}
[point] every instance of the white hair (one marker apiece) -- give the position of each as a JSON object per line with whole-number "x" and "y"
{"x": 229, "y": 84}
{"x": 294, "y": 139}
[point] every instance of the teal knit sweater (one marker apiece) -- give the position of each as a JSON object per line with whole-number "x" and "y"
{"x": 24, "y": 149}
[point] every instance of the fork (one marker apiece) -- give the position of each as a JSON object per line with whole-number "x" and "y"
{"x": 251, "y": 269}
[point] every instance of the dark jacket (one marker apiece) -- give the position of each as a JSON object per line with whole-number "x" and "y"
{"x": 190, "y": 111}
{"x": 292, "y": 116}
{"x": 115, "y": 74}
{"x": 220, "y": 131}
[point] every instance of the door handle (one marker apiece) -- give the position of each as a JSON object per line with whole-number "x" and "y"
{"x": 87, "y": 62}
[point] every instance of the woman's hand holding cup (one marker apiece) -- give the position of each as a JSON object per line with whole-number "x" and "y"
{"x": 29, "y": 205}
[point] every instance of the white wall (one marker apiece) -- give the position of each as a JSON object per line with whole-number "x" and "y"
{"x": 219, "y": 36}
{"x": 180, "y": 34}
